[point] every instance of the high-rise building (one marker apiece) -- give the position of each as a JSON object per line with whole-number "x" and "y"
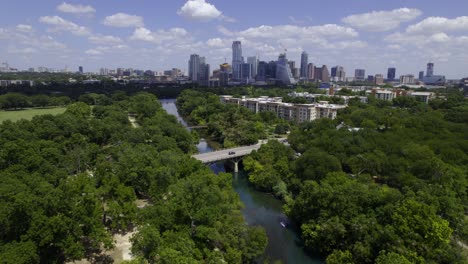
{"x": 237, "y": 60}
{"x": 317, "y": 73}
{"x": 262, "y": 71}
{"x": 391, "y": 74}
{"x": 204, "y": 73}
{"x": 254, "y": 61}
{"x": 80, "y": 69}
{"x": 283, "y": 71}
{"x": 225, "y": 69}
{"x": 310, "y": 71}
{"x": 194, "y": 67}
{"x": 421, "y": 75}
{"x": 304, "y": 65}
{"x": 359, "y": 74}
{"x": 379, "y": 79}
{"x": 338, "y": 73}
{"x": 430, "y": 69}
{"x": 246, "y": 72}
{"x": 407, "y": 79}
{"x": 325, "y": 74}
{"x": 271, "y": 73}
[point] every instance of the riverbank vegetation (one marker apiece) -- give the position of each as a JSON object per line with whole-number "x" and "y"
{"x": 69, "y": 182}
{"x": 383, "y": 183}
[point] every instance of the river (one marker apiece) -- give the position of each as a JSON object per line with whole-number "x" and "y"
{"x": 260, "y": 209}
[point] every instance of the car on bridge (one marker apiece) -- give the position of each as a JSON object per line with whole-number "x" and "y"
{"x": 231, "y": 153}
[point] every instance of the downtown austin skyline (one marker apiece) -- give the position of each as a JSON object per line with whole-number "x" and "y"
{"x": 158, "y": 36}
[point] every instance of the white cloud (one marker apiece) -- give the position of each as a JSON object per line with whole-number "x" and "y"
{"x": 23, "y": 51}
{"x": 93, "y": 52}
{"x": 217, "y": 43}
{"x": 332, "y": 31}
{"x": 160, "y": 36}
{"x": 60, "y": 24}
{"x": 104, "y": 40}
{"x": 382, "y": 20}
{"x": 439, "y": 24}
{"x": 24, "y": 28}
{"x": 123, "y": 20}
{"x": 76, "y": 9}
{"x": 199, "y": 10}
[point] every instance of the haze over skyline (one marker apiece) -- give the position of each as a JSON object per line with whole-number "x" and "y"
{"x": 372, "y": 35}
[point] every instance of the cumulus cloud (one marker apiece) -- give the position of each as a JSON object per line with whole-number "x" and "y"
{"x": 93, "y": 52}
{"x": 439, "y": 24}
{"x": 59, "y": 24}
{"x": 104, "y": 40}
{"x": 160, "y": 36}
{"x": 332, "y": 31}
{"x": 199, "y": 10}
{"x": 378, "y": 21}
{"x": 123, "y": 20}
{"x": 75, "y": 9}
{"x": 24, "y": 28}
{"x": 217, "y": 43}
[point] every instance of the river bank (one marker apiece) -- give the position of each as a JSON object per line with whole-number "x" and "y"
{"x": 260, "y": 209}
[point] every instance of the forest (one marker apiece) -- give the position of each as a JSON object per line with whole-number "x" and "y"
{"x": 69, "y": 182}
{"x": 386, "y": 182}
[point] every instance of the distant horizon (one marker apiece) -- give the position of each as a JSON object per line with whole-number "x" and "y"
{"x": 161, "y": 36}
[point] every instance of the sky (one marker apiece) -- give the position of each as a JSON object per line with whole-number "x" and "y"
{"x": 161, "y": 34}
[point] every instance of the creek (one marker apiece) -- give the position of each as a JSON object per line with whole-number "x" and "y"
{"x": 260, "y": 209}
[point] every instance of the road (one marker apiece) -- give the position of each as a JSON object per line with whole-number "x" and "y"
{"x": 235, "y": 152}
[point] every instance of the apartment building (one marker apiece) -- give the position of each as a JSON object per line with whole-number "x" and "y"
{"x": 291, "y": 112}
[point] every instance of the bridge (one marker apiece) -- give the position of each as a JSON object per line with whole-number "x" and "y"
{"x": 195, "y": 127}
{"x": 233, "y": 154}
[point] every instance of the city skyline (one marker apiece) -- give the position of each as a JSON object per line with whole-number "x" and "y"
{"x": 370, "y": 36}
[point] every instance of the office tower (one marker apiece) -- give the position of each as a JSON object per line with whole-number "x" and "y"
{"x": 80, "y": 69}
{"x": 325, "y": 74}
{"x": 262, "y": 71}
{"x": 283, "y": 71}
{"x": 310, "y": 71}
{"x": 254, "y": 61}
{"x": 237, "y": 60}
{"x": 407, "y": 79}
{"x": 271, "y": 73}
{"x": 194, "y": 67}
{"x": 338, "y": 73}
{"x": 421, "y": 75}
{"x": 246, "y": 72}
{"x": 359, "y": 74}
{"x": 120, "y": 71}
{"x": 379, "y": 79}
{"x": 430, "y": 69}
{"x": 391, "y": 74}
{"x": 204, "y": 74}
{"x": 304, "y": 65}
{"x": 225, "y": 69}
{"x": 370, "y": 78}
{"x": 317, "y": 73}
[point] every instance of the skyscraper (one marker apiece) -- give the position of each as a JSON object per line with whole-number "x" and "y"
{"x": 262, "y": 71}
{"x": 237, "y": 60}
{"x": 325, "y": 74}
{"x": 338, "y": 73}
{"x": 430, "y": 69}
{"x": 391, "y": 73}
{"x": 421, "y": 75}
{"x": 254, "y": 61}
{"x": 310, "y": 71}
{"x": 80, "y": 69}
{"x": 359, "y": 74}
{"x": 246, "y": 72}
{"x": 194, "y": 67}
{"x": 304, "y": 64}
{"x": 283, "y": 71}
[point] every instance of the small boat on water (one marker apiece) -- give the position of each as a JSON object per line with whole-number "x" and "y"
{"x": 283, "y": 224}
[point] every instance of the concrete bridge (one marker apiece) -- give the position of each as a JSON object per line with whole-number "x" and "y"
{"x": 233, "y": 154}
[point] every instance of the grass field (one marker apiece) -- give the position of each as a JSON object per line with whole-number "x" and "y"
{"x": 29, "y": 113}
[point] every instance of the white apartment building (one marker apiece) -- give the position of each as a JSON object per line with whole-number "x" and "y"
{"x": 291, "y": 112}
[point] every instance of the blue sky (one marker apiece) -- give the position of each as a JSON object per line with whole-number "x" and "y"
{"x": 159, "y": 34}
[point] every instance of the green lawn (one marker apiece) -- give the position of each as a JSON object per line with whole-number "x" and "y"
{"x": 28, "y": 114}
